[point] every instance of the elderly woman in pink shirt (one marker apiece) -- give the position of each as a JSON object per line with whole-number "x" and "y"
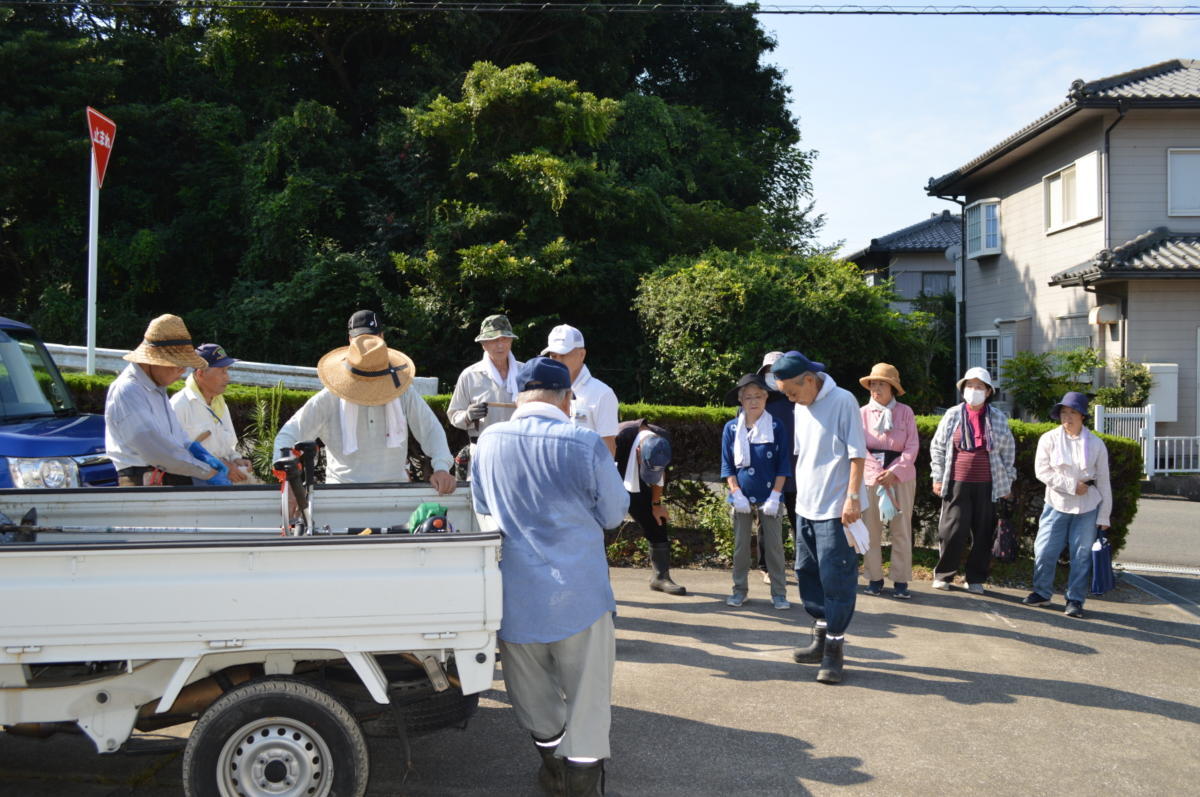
{"x": 891, "y": 477}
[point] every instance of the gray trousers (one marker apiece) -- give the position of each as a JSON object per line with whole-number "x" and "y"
{"x": 770, "y": 536}
{"x": 565, "y": 684}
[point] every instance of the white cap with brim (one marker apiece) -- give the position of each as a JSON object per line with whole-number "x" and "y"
{"x": 563, "y": 339}
{"x": 979, "y": 373}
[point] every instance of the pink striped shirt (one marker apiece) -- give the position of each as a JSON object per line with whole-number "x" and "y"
{"x": 902, "y": 438}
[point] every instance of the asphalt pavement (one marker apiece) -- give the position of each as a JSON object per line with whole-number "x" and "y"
{"x": 948, "y": 693}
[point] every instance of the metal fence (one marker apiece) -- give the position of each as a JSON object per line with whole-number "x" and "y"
{"x": 1174, "y": 454}
{"x": 295, "y": 377}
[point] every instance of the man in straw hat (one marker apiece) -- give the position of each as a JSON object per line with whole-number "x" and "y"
{"x": 143, "y": 438}
{"x": 552, "y": 489}
{"x": 364, "y": 414}
{"x": 830, "y": 450}
{"x": 490, "y": 381}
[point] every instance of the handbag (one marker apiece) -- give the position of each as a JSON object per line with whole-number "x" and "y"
{"x": 1102, "y": 571}
{"x": 1004, "y": 547}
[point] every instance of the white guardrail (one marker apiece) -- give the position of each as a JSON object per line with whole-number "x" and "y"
{"x": 295, "y": 377}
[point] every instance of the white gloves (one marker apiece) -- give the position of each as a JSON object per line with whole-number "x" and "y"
{"x": 771, "y": 505}
{"x": 740, "y": 502}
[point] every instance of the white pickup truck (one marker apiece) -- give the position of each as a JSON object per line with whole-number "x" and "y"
{"x": 140, "y": 608}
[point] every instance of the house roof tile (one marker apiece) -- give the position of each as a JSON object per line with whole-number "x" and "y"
{"x": 934, "y": 234}
{"x": 1155, "y": 253}
{"x": 1171, "y": 82}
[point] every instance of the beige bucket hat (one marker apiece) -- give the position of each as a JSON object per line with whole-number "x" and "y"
{"x": 167, "y": 342}
{"x": 366, "y": 372}
{"x": 884, "y": 373}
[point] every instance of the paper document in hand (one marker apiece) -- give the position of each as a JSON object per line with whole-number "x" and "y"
{"x": 858, "y": 536}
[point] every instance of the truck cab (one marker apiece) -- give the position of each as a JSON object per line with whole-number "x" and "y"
{"x": 45, "y": 441}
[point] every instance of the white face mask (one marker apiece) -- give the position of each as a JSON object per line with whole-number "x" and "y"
{"x": 974, "y": 395}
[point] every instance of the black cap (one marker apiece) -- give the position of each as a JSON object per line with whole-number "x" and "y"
{"x": 364, "y": 322}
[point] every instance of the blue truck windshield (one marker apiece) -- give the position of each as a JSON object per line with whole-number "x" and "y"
{"x": 30, "y": 384}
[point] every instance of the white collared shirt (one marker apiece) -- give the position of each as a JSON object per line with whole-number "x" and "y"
{"x": 595, "y": 405}
{"x": 197, "y": 417}
{"x": 373, "y": 460}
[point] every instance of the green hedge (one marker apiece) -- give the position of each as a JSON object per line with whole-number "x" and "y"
{"x": 696, "y": 444}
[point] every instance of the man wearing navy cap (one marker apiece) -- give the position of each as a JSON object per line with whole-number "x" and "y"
{"x": 643, "y": 454}
{"x": 551, "y": 489}
{"x": 830, "y": 450}
{"x": 204, "y": 416}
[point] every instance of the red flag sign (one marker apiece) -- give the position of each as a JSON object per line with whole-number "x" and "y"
{"x": 104, "y": 133}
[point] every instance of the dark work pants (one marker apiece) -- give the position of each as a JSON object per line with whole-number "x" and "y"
{"x": 827, "y": 571}
{"x": 968, "y": 517}
{"x": 789, "y": 503}
{"x": 639, "y": 510}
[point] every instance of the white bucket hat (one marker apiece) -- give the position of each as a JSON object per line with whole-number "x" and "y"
{"x": 977, "y": 373}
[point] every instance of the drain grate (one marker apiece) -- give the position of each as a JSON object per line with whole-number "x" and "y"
{"x": 1173, "y": 570}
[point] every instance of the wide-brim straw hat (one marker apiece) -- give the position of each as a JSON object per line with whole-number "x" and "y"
{"x": 167, "y": 342}
{"x": 366, "y": 372}
{"x": 884, "y": 373}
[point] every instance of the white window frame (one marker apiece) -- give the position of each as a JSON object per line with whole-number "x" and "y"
{"x": 977, "y": 246}
{"x": 1194, "y": 152}
{"x": 983, "y": 349}
{"x": 1075, "y": 190}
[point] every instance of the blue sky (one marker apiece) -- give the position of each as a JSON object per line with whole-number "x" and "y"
{"x": 889, "y": 102}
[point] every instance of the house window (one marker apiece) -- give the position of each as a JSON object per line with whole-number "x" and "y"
{"x": 984, "y": 351}
{"x": 907, "y": 284}
{"x": 1072, "y": 195}
{"x": 936, "y": 283}
{"x": 1183, "y": 182}
{"x": 983, "y": 228}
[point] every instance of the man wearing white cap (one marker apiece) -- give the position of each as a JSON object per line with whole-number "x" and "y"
{"x": 595, "y": 404}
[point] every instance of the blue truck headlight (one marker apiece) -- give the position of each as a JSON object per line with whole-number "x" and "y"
{"x": 43, "y": 472}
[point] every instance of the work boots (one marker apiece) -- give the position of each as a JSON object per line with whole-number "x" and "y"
{"x": 552, "y": 777}
{"x": 585, "y": 780}
{"x": 660, "y": 560}
{"x": 831, "y": 662}
{"x": 814, "y": 652}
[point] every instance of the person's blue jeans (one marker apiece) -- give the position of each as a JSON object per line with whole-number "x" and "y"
{"x": 1076, "y": 533}
{"x": 827, "y": 570}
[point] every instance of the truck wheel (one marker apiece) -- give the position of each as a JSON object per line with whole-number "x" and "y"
{"x": 276, "y": 736}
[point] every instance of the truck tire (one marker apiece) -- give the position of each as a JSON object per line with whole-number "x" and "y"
{"x": 276, "y": 736}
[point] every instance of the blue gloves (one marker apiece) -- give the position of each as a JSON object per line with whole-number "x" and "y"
{"x": 220, "y": 478}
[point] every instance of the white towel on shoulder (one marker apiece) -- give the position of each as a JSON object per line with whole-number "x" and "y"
{"x": 763, "y": 431}
{"x": 633, "y": 469}
{"x": 396, "y": 425}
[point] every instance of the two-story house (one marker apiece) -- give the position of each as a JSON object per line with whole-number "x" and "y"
{"x": 1083, "y": 228}
{"x": 914, "y": 258}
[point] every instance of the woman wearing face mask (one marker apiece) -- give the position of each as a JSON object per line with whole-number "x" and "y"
{"x": 1073, "y": 464}
{"x": 971, "y": 455}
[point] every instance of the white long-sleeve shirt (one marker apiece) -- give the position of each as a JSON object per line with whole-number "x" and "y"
{"x": 1061, "y": 481}
{"x": 140, "y": 428}
{"x": 197, "y": 416}
{"x": 373, "y": 461}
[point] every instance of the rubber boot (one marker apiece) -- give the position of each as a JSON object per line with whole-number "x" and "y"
{"x": 585, "y": 780}
{"x": 815, "y": 650}
{"x": 660, "y": 560}
{"x": 552, "y": 777}
{"x": 831, "y": 663}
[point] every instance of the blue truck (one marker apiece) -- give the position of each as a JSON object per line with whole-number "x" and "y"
{"x": 45, "y": 441}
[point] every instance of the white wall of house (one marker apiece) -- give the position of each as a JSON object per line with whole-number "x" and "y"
{"x": 1138, "y": 170}
{"x": 906, "y": 270}
{"x": 1164, "y": 322}
{"x": 1013, "y": 284}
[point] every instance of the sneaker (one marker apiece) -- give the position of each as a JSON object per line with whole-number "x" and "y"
{"x": 900, "y": 591}
{"x": 975, "y": 589}
{"x": 1034, "y": 599}
{"x": 874, "y": 588}
{"x": 780, "y": 603}
{"x": 735, "y": 600}
{"x": 1074, "y": 609}
{"x": 942, "y": 585}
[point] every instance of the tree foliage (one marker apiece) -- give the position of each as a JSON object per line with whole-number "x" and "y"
{"x": 275, "y": 170}
{"x": 712, "y": 317}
